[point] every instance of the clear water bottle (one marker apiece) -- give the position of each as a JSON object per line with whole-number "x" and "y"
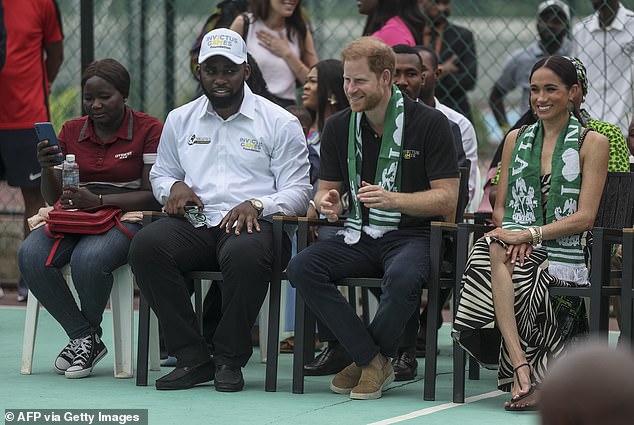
{"x": 70, "y": 173}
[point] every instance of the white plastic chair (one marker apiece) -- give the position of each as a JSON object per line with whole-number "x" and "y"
{"x": 122, "y": 306}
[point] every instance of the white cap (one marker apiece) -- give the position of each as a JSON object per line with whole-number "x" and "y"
{"x": 223, "y": 42}
{"x": 554, "y": 3}
{"x": 70, "y": 157}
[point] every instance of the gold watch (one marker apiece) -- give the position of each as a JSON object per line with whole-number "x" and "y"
{"x": 258, "y": 205}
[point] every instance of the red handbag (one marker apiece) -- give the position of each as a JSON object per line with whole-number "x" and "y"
{"x": 87, "y": 221}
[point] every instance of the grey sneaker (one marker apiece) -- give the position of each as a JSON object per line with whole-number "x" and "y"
{"x": 88, "y": 351}
{"x": 65, "y": 358}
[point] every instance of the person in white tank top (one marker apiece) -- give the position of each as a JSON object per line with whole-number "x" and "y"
{"x": 281, "y": 43}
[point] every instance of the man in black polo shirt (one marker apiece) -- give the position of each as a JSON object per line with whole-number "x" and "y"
{"x": 392, "y": 163}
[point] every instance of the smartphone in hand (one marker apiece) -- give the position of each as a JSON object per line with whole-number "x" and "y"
{"x": 195, "y": 216}
{"x": 45, "y": 131}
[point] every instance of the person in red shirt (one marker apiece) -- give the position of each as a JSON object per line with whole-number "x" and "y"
{"x": 115, "y": 148}
{"x": 34, "y": 54}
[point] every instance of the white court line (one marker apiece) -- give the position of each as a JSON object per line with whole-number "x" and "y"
{"x": 430, "y": 410}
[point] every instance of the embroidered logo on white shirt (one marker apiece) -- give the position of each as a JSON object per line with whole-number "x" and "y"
{"x": 198, "y": 140}
{"x": 249, "y": 144}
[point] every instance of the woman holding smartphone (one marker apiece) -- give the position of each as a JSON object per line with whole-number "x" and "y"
{"x": 115, "y": 148}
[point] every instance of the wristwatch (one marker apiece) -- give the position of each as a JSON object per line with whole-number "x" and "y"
{"x": 258, "y": 205}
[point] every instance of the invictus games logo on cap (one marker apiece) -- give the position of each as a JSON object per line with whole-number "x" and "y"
{"x": 222, "y": 40}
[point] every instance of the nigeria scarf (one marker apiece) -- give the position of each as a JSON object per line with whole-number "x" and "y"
{"x": 387, "y": 171}
{"x": 523, "y": 198}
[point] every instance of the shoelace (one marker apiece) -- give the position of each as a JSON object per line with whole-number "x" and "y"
{"x": 69, "y": 350}
{"x": 68, "y": 353}
{"x": 83, "y": 348}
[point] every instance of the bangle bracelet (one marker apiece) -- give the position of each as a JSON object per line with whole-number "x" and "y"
{"x": 312, "y": 203}
{"x": 540, "y": 235}
{"x": 100, "y": 199}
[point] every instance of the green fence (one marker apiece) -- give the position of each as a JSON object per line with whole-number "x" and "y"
{"x": 152, "y": 39}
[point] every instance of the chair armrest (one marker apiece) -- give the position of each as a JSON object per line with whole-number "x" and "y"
{"x": 321, "y": 222}
{"x": 286, "y": 218}
{"x": 478, "y": 217}
{"x": 444, "y": 225}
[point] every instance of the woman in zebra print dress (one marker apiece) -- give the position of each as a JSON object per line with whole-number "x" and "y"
{"x": 509, "y": 271}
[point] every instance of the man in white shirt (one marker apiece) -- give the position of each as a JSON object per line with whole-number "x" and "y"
{"x": 553, "y": 38}
{"x": 427, "y": 96}
{"x": 604, "y": 42}
{"x": 237, "y": 159}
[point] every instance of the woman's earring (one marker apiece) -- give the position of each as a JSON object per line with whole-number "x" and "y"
{"x": 332, "y": 99}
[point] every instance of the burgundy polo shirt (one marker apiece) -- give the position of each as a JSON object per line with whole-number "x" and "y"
{"x": 120, "y": 159}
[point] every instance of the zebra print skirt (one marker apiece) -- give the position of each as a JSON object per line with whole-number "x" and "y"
{"x": 539, "y": 334}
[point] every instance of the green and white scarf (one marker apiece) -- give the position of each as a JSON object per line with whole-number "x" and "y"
{"x": 387, "y": 175}
{"x": 523, "y": 199}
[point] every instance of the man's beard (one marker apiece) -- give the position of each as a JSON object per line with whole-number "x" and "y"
{"x": 223, "y": 102}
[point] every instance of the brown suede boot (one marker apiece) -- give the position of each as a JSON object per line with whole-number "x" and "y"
{"x": 346, "y": 380}
{"x": 372, "y": 381}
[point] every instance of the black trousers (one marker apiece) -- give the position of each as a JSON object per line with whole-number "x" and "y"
{"x": 401, "y": 256}
{"x": 162, "y": 252}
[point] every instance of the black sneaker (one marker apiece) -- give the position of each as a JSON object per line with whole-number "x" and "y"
{"x": 88, "y": 351}
{"x": 65, "y": 358}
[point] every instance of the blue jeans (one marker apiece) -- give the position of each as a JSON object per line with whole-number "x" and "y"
{"x": 92, "y": 259}
{"x": 400, "y": 256}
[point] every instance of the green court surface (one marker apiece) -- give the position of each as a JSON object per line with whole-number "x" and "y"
{"x": 401, "y": 403}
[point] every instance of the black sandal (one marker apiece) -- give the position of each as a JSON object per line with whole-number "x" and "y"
{"x": 519, "y": 398}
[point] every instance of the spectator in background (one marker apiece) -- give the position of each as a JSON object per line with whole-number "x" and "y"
{"x": 278, "y": 37}
{"x": 553, "y": 30}
{"x": 619, "y": 161}
{"x": 592, "y": 385}
{"x": 604, "y": 42}
{"x": 455, "y": 47}
{"x": 34, "y": 54}
{"x": 209, "y": 148}
{"x": 323, "y": 95}
{"x": 393, "y": 21}
{"x": 428, "y": 95}
{"x": 115, "y": 148}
